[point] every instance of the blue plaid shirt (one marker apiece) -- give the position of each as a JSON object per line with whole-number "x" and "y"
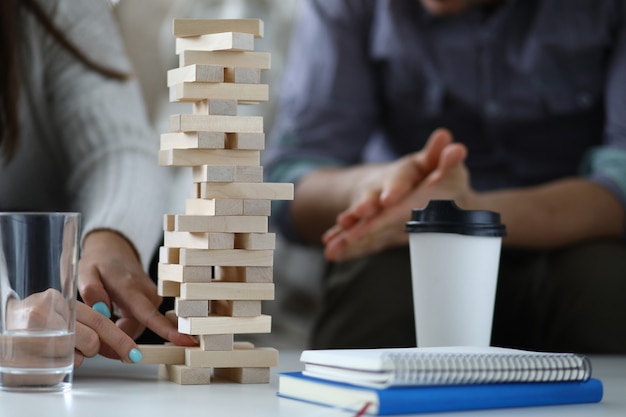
{"x": 535, "y": 89}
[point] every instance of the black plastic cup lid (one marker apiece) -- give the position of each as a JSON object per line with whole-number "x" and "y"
{"x": 444, "y": 216}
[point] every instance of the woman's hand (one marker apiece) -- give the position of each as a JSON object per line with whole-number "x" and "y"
{"x": 109, "y": 272}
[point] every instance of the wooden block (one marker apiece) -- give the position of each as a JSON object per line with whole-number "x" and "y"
{"x": 233, "y": 257}
{"x": 222, "y": 325}
{"x": 223, "y": 41}
{"x": 168, "y": 222}
{"x": 225, "y": 224}
{"x": 255, "y": 241}
{"x": 258, "y": 274}
{"x": 236, "y": 308}
{"x": 196, "y": 73}
{"x": 242, "y": 93}
{"x": 257, "y": 207}
{"x": 168, "y": 255}
{"x": 218, "y": 290}
{"x": 210, "y": 342}
{"x": 193, "y": 157}
{"x": 196, "y": 27}
{"x": 195, "y": 240}
{"x": 194, "y": 140}
{"x": 213, "y": 173}
{"x": 230, "y": 173}
{"x": 184, "y": 375}
{"x": 257, "y": 357}
{"x": 168, "y": 288}
{"x": 243, "y": 375}
{"x": 261, "y": 60}
{"x": 194, "y": 191}
{"x": 251, "y": 141}
{"x": 241, "y": 75}
{"x": 203, "y": 122}
{"x": 191, "y": 308}
{"x": 182, "y": 273}
{"x": 243, "y": 345}
{"x": 166, "y": 354}
{"x": 249, "y": 174}
{"x": 215, "y": 107}
{"x": 204, "y": 207}
{"x": 172, "y": 317}
{"x": 249, "y": 191}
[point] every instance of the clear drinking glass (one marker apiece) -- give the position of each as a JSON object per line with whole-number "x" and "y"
{"x": 38, "y": 272}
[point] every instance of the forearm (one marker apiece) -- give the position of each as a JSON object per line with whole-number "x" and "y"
{"x": 321, "y": 195}
{"x": 555, "y": 214}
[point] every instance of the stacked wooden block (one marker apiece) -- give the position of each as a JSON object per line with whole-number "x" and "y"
{"x": 217, "y": 258}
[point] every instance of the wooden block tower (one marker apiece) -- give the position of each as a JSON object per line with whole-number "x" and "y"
{"x": 217, "y": 258}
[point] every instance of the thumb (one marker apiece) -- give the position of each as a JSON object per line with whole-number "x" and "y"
{"x": 414, "y": 168}
{"x": 452, "y": 157}
{"x": 92, "y": 290}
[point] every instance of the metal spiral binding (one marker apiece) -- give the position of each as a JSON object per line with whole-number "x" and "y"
{"x": 455, "y": 368}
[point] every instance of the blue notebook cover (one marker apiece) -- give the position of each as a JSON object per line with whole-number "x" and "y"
{"x": 425, "y": 399}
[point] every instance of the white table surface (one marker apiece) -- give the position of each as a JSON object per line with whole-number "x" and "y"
{"x": 106, "y": 388}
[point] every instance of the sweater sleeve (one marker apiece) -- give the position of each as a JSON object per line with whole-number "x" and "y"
{"x": 113, "y": 175}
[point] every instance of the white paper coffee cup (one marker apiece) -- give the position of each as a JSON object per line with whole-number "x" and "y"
{"x": 455, "y": 256}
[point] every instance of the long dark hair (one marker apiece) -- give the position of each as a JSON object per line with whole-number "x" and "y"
{"x": 10, "y": 65}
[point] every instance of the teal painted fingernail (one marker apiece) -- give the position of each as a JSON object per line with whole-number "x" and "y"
{"x": 135, "y": 355}
{"x": 102, "y": 308}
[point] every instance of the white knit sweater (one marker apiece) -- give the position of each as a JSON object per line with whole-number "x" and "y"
{"x": 85, "y": 142}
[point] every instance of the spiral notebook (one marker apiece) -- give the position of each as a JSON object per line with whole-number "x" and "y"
{"x": 381, "y": 368}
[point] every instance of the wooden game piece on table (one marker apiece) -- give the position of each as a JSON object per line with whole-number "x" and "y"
{"x": 169, "y": 255}
{"x": 231, "y": 173}
{"x": 236, "y": 308}
{"x": 191, "y": 308}
{"x": 194, "y": 157}
{"x": 193, "y": 140}
{"x": 208, "y": 223}
{"x": 242, "y": 75}
{"x": 168, "y": 288}
{"x": 223, "y": 41}
{"x": 258, "y": 274}
{"x": 211, "y": 342}
{"x": 251, "y": 191}
{"x": 223, "y": 325}
{"x": 196, "y": 73}
{"x": 216, "y": 107}
{"x": 245, "y": 358}
{"x": 227, "y": 257}
{"x": 183, "y": 28}
{"x": 255, "y": 241}
{"x": 242, "y": 93}
{"x": 249, "y": 174}
{"x": 184, "y": 375}
{"x": 166, "y": 354}
{"x": 245, "y": 141}
{"x": 213, "y": 173}
{"x": 243, "y": 375}
{"x": 212, "y": 240}
{"x": 204, "y": 122}
{"x": 172, "y": 317}
{"x": 223, "y": 290}
{"x": 261, "y": 60}
{"x": 257, "y": 207}
{"x": 183, "y": 273}
{"x": 214, "y": 207}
